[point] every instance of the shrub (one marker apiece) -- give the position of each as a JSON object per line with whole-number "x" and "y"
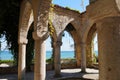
{"x": 6, "y": 61}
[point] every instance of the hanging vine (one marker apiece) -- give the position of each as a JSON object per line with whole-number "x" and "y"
{"x": 50, "y": 27}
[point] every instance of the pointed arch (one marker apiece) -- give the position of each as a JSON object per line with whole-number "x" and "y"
{"x": 26, "y": 19}
{"x": 71, "y": 29}
{"x": 89, "y": 45}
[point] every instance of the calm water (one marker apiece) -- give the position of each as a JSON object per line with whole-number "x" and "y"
{"x": 64, "y": 54}
{"x": 6, "y": 55}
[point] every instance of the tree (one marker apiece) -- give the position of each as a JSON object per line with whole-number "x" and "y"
{"x": 9, "y": 20}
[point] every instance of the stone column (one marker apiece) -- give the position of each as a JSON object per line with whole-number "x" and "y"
{"x": 40, "y": 60}
{"x": 78, "y": 54}
{"x": 89, "y": 54}
{"x": 83, "y": 57}
{"x": 57, "y": 60}
{"x": 40, "y": 34}
{"x": 22, "y": 61}
{"x": 109, "y": 48}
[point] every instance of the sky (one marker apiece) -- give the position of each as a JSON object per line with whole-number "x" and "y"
{"x": 74, "y": 4}
{"x": 3, "y": 43}
{"x": 95, "y": 43}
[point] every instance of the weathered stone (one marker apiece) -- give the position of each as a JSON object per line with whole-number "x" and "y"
{"x": 109, "y": 48}
{"x": 97, "y": 11}
{"x": 57, "y": 60}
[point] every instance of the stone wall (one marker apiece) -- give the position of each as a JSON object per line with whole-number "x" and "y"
{"x": 63, "y": 66}
{"x": 12, "y": 70}
{"x": 8, "y": 70}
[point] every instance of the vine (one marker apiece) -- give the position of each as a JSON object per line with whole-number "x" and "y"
{"x": 50, "y": 27}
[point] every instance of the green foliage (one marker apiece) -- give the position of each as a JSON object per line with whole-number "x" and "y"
{"x": 50, "y": 26}
{"x": 9, "y": 22}
{"x": 6, "y": 61}
{"x": 95, "y": 58}
{"x": 49, "y": 60}
{"x": 68, "y": 60}
{"x": 64, "y": 60}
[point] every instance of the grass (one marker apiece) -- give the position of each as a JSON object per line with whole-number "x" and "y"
{"x": 6, "y": 61}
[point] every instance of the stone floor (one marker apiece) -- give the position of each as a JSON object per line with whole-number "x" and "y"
{"x": 65, "y": 73}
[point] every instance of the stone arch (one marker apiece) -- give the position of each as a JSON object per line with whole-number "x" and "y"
{"x": 118, "y": 4}
{"x": 90, "y": 22}
{"x": 26, "y": 19}
{"x": 25, "y": 22}
{"x": 60, "y": 22}
{"x": 57, "y": 44}
{"x": 88, "y": 27}
{"x": 89, "y": 45}
{"x": 71, "y": 29}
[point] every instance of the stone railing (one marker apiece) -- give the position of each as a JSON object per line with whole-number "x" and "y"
{"x": 8, "y": 70}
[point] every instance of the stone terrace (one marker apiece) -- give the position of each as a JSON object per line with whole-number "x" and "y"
{"x": 65, "y": 73}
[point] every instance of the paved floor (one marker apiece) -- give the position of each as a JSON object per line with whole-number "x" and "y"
{"x": 65, "y": 73}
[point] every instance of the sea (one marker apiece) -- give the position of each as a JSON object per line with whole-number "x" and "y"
{"x": 6, "y": 55}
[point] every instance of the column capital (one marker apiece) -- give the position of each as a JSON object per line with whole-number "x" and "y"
{"x": 22, "y": 41}
{"x": 38, "y": 36}
{"x": 58, "y": 43}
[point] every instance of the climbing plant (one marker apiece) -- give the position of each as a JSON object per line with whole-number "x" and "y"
{"x": 50, "y": 27}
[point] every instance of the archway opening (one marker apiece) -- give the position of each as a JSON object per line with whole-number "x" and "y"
{"x": 30, "y": 49}
{"x": 72, "y": 43}
{"x": 67, "y": 51}
{"x": 49, "y": 50}
{"x": 6, "y": 57}
{"x": 92, "y": 49}
{"x": 95, "y": 48}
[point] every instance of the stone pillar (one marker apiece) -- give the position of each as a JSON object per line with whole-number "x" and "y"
{"x": 109, "y": 48}
{"x": 89, "y": 54}
{"x": 57, "y": 60}
{"x": 83, "y": 57}
{"x": 40, "y": 60}
{"x": 22, "y": 61}
{"x": 78, "y": 54}
{"x": 41, "y": 16}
